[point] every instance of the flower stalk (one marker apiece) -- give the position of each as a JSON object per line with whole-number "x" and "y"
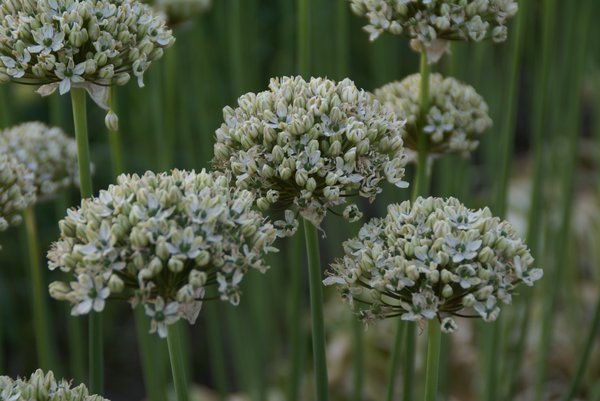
{"x": 434, "y": 337}
{"x": 177, "y": 363}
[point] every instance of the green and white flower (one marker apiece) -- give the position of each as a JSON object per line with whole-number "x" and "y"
{"x": 421, "y": 262}
{"x": 161, "y": 240}
{"x": 17, "y": 190}
{"x": 306, "y": 147}
{"x": 46, "y": 152}
{"x": 43, "y": 387}
{"x": 457, "y": 114}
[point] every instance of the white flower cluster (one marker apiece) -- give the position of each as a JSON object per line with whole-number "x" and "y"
{"x": 308, "y": 146}
{"x": 47, "y": 152}
{"x": 17, "y": 191}
{"x": 432, "y": 260}
{"x": 429, "y": 20}
{"x": 457, "y": 114}
{"x": 43, "y": 387}
{"x": 178, "y": 11}
{"x": 79, "y": 43}
{"x": 160, "y": 240}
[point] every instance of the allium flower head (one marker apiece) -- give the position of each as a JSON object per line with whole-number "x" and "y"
{"x": 433, "y": 260}
{"x": 160, "y": 240}
{"x": 179, "y": 11}
{"x": 17, "y": 190}
{"x": 89, "y": 44}
{"x": 432, "y": 23}
{"x": 47, "y": 152}
{"x": 308, "y": 146}
{"x": 457, "y": 114}
{"x": 43, "y": 387}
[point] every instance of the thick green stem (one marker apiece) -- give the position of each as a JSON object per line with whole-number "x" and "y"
{"x": 40, "y": 312}
{"x": 316, "y": 306}
{"x": 215, "y": 340}
{"x": 96, "y": 362}
{"x": 410, "y": 354}
{"x": 434, "y": 338}
{"x": 177, "y": 363}
{"x": 151, "y": 368}
{"x": 422, "y": 180}
{"x": 304, "y": 61}
{"x": 296, "y": 332}
{"x": 114, "y": 139}
{"x": 395, "y": 360}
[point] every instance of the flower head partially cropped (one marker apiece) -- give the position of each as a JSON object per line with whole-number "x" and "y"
{"x": 43, "y": 387}
{"x": 432, "y": 23}
{"x": 179, "y": 11}
{"x": 457, "y": 114}
{"x": 90, "y": 44}
{"x": 47, "y": 152}
{"x": 17, "y": 190}
{"x": 305, "y": 147}
{"x": 433, "y": 260}
{"x": 160, "y": 240}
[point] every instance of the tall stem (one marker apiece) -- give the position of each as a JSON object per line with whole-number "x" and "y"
{"x": 40, "y": 313}
{"x": 316, "y": 306}
{"x": 114, "y": 139}
{"x": 304, "y": 38}
{"x": 177, "y": 363}
{"x": 422, "y": 184}
{"x": 434, "y": 337}
{"x": 151, "y": 366}
{"x": 96, "y": 362}
{"x": 296, "y": 333}
{"x": 395, "y": 360}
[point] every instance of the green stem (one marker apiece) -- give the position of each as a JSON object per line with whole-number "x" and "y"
{"x": 585, "y": 355}
{"x": 434, "y": 337}
{"x": 177, "y": 363}
{"x": 114, "y": 139}
{"x": 40, "y": 312}
{"x": 296, "y": 331}
{"x": 96, "y": 362}
{"x": 395, "y": 360}
{"x": 316, "y": 306}
{"x": 155, "y": 386}
{"x": 421, "y": 182}
{"x": 342, "y": 49}
{"x": 5, "y": 119}
{"x": 304, "y": 61}
{"x": 217, "y": 359}
{"x": 410, "y": 353}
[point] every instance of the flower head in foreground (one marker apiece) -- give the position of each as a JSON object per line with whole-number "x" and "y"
{"x": 43, "y": 387}
{"x": 89, "y": 44}
{"x": 160, "y": 240}
{"x": 179, "y": 11}
{"x": 47, "y": 152}
{"x": 308, "y": 146}
{"x": 456, "y": 117}
{"x": 433, "y": 260}
{"x": 432, "y": 23}
{"x": 17, "y": 190}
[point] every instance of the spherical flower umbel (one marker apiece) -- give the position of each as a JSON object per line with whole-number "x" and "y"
{"x": 432, "y": 23}
{"x": 43, "y": 387}
{"x": 47, "y": 152}
{"x": 160, "y": 240}
{"x": 91, "y": 44}
{"x": 434, "y": 259}
{"x": 457, "y": 114}
{"x": 179, "y": 11}
{"x": 17, "y": 190}
{"x": 306, "y": 147}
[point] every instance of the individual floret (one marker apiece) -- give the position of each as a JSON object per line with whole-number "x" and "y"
{"x": 430, "y": 24}
{"x": 17, "y": 191}
{"x": 43, "y": 387}
{"x": 47, "y": 152}
{"x": 433, "y": 260}
{"x": 306, "y": 147}
{"x": 457, "y": 114}
{"x": 160, "y": 240}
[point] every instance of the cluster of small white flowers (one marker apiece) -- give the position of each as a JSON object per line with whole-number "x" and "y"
{"x": 43, "y": 387}
{"x": 160, "y": 240}
{"x": 178, "y": 11}
{"x": 47, "y": 152}
{"x": 456, "y": 117}
{"x": 79, "y": 43}
{"x": 428, "y": 21}
{"x": 17, "y": 191}
{"x": 433, "y": 260}
{"x": 306, "y": 147}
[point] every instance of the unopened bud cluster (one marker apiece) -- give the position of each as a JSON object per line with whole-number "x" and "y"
{"x": 17, "y": 190}
{"x": 46, "y": 152}
{"x": 433, "y": 260}
{"x": 160, "y": 240}
{"x": 73, "y": 42}
{"x": 456, "y": 117}
{"x": 43, "y": 387}
{"x": 305, "y": 147}
{"x": 179, "y": 11}
{"x": 429, "y": 20}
